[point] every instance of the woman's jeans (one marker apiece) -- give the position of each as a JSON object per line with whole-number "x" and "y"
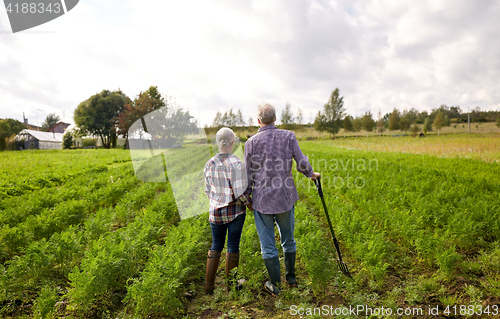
{"x": 233, "y": 229}
{"x": 265, "y": 228}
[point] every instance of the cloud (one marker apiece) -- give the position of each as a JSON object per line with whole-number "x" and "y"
{"x": 221, "y": 54}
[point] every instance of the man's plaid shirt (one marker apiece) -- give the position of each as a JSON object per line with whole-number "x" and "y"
{"x": 225, "y": 185}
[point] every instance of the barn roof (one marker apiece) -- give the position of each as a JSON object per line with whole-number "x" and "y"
{"x": 44, "y": 136}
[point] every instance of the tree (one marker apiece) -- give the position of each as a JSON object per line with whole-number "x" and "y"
{"x": 51, "y": 120}
{"x": 415, "y": 129}
{"x": 98, "y": 115}
{"x": 394, "y": 120}
{"x": 404, "y": 124}
{"x": 169, "y": 125}
{"x": 498, "y": 120}
{"x": 368, "y": 122}
{"x": 67, "y": 140}
{"x": 250, "y": 121}
{"x": 287, "y": 119}
{"x": 300, "y": 117}
{"x": 357, "y": 124}
{"x": 143, "y": 104}
{"x": 320, "y": 122}
{"x": 427, "y": 125}
{"x": 348, "y": 124}
{"x": 331, "y": 119}
{"x": 380, "y": 125}
{"x": 439, "y": 121}
{"x": 9, "y": 127}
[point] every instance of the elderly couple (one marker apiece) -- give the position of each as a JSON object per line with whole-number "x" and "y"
{"x": 267, "y": 178}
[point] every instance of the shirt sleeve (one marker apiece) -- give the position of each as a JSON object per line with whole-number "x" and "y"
{"x": 303, "y": 165}
{"x": 248, "y": 168}
{"x": 207, "y": 183}
{"x": 239, "y": 181}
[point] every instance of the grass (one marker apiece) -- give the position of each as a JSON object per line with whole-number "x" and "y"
{"x": 421, "y": 231}
{"x": 485, "y": 147}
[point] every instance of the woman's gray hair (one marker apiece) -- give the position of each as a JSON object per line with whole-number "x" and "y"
{"x": 266, "y": 113}
{"x": 224, "y": 137}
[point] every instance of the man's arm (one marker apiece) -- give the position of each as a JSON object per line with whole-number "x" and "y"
{"x": 248, "y": 167}
{"x": 303, "y": 165}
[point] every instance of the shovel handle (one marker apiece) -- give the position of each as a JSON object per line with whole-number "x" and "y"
{"x": 320, "y": 192}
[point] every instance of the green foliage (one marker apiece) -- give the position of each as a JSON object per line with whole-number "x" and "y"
{"x": 357, "y": 124}
{"x": 287, "y": 118}
{"x": 348, "y": 127}
{"x": 9, "y": 127}
{"x": 51, "y": 120}
{"x": 333, "y": 112}
{"x": 368, "y": 122}
{"x": 439, "y": 121}
{"x": 68, "y": 140}
{"x": 228, "y": 119}
{"x": 415, "y": 129}
{"x": 394, "y": 120}
{"x": 427, "y": 125}
{"x": 157, "y": 291}
{"x": 98, "y": 115}
{"x": 404, "y": 124}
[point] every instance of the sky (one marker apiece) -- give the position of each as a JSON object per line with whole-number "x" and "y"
{"x": 216, "y": 55}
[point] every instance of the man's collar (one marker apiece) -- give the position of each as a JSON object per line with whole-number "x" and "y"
{"x": 267, "y": 127}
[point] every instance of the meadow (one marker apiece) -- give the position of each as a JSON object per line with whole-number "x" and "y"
{"x": 82, "y": 237}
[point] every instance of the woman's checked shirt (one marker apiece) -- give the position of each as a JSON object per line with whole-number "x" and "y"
{"x": 225, "y": 185}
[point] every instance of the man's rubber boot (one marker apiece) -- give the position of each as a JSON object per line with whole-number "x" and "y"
{"x": 232, "y": 260}
{"x": 290, "y": 269}
{"x": 212, "y": 265}
{"x": 273, "y": 269}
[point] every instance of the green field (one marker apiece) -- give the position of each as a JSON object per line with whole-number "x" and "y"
{"x": 81, "y": 236}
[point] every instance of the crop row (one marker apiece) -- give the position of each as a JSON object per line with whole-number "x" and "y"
{"x": 438, "y": 209}
{"x": 46, "y": 264}
{"x": 100, "y": 192}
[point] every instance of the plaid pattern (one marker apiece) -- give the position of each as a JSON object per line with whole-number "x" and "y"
{"x": 225, "y": 185}
{"x": 268, "y": 160}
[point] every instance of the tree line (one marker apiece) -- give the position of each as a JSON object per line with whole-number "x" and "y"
{"x": 333, "y": 117}
{"x": 107, "y": 115}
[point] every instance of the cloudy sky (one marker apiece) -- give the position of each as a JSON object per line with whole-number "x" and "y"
{"x": 217, "y": 55}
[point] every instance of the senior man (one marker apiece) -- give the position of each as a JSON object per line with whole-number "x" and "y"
{"x": 268, "y": 158}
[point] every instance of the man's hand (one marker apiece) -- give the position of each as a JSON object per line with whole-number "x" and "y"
{"x": 315, "y": 176}
{"x": 249, "y": 206}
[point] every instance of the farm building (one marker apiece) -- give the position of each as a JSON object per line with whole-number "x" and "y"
{"x": 29, "y": 139}
{"x": 59, "y": 127}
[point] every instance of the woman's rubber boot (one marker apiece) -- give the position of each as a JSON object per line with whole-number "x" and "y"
{"x": 212, "y": 265}
{"x": 290, "y": 269}
{"x": 273, "y": 269}
{"x": 232, "y": 260}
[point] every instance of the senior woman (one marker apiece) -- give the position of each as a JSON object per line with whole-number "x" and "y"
{"x": 268, "y": 159}
{"x": 225, "y": 186}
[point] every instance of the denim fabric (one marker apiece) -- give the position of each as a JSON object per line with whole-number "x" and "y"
{"x": 265, "y": 228}
{"x": 233, "y": 230}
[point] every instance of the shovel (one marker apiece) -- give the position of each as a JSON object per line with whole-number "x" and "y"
{"x": 342, "y": 265}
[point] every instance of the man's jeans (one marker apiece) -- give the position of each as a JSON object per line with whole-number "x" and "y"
{"x": 265, "y": 229}
{"x": 233, "y": 229}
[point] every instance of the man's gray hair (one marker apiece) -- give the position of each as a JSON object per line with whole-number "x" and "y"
{"x": 224, "y": 137}
{"x": 266, "y": 113}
